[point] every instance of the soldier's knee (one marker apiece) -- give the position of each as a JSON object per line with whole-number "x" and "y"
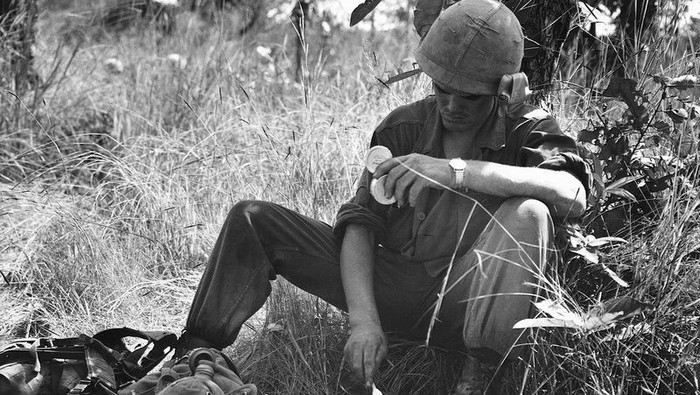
{"x": 248, "y": 210}
{"x": 526, "y": 209}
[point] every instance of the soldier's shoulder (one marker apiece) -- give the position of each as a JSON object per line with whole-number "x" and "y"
{"x": 409, "y": 114}
{"x": 528, "y": 112}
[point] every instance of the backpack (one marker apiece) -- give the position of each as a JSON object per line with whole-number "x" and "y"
{"x": 204, "y": 371}
{"x": 100, "y": 364}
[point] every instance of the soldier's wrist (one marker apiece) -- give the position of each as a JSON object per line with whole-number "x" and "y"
{"x": 459, "y": 171}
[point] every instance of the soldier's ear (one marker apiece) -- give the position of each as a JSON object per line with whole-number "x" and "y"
{"x": 514, "y": 88}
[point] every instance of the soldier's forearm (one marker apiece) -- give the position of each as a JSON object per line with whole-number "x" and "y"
{"x": 357, "y": 272}
{"x": 560, "y": 190}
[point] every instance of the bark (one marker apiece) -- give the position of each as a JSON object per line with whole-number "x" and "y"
{"x": 17, "y": 36}
{"x": 546, "y": 25}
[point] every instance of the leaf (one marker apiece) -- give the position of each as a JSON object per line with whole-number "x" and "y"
{"x": 594, "y": 323}
{"x": 663, "y": 127}
{"x": 626, "y": 89}
{"x": 614, "y": 276}
{"x": 601, "y": 241}
{"x": 275, "y": 327}
{"x": 622, "y": 193}
{"x": 598, "y": 318}
{"x": 577, "y": 242}
{"x": 425, "y": 14}
{"x": 683, "y": 82}
{"x": 625, "y": 305}
{"x": 557, "y": 310}
{"x": 620, "y": 87}
{"x": 587, "y": 136}
{"x": 362, "y": 10}
{"x": 677, "y": 115}
{"x": 562, "y": 317}
{"x": 382, "y": 82}
{"x": 402, "y": 76}
{"x": 629, "y": 332}
{"x": 544, "y": 323}
{"x": 661, "y": 79}
{"x": 624, "y": 181}
{"x": 598, "y": 180}
{"x": 590, "y": 256}
{"x": 694, "y": 111}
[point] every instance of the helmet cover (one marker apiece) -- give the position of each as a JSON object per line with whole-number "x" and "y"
{"x": 471, "y": 46}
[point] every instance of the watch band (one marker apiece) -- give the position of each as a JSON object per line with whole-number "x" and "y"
{"x": 459, "y": 177}
{"x": 458, "y": 166}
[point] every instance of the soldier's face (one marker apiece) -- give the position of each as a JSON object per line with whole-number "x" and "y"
{"x": 460, "y": 111}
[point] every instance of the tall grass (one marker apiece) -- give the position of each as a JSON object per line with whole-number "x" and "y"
{"x": 114, "y": 187}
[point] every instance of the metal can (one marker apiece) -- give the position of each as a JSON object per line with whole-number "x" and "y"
{"x": 376, "y": 156}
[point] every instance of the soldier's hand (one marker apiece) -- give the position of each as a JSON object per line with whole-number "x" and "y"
{"x": 408, "y": 175}
{"x": 365, "y": 350}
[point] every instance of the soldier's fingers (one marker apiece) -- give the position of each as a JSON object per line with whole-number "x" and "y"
{"x": 369, "y": 363}
{"x": 386, "y": 166}
{"x": 394, "y": 175}
{"x": 353, "y": 356}
{"x": 403, "y": 186}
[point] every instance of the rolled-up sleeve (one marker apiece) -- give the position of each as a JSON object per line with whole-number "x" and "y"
{"x": 548, "y": 148}
{"x": 398, "y": 132}
{"x": 362, "y": 209}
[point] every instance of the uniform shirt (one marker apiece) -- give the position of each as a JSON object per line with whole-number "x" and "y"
{"x": 429, "y": 232}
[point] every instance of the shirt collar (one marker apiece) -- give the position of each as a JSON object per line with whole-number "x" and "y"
{"x": 492, "y": 135}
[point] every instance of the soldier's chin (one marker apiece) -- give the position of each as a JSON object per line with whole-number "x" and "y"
{"x": 455, "y": 126}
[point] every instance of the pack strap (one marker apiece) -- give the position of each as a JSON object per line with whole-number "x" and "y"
{"x": 107, "y": 358}
{"x": 99, "y": 369}
{"x": 135, "y": 364}
{"x": 91, "y": 388}
{"x": 41, "y": 349}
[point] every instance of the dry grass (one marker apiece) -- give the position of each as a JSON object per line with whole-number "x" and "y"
{"x": 114, "y": 187}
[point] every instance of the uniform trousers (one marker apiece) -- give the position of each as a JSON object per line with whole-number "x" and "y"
{"x": 490, "y": 288}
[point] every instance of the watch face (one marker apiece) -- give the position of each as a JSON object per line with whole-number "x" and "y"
{"x": 458, "y": 164}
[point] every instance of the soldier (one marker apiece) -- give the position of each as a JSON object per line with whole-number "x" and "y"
{"x": 476, "y": 174}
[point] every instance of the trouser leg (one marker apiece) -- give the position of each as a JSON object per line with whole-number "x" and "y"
{"x": 494, "y": 285}
{"x": 258, "y": 241}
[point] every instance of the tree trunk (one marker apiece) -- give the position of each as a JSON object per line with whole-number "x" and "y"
{"x": 546, "y": 25}
{"x": 17, "y": 23}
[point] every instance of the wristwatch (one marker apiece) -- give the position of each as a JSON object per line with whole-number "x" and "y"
{"x": 458, "y": 166}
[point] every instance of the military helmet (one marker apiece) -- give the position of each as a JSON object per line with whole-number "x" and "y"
{"x": 471, "y": 46}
